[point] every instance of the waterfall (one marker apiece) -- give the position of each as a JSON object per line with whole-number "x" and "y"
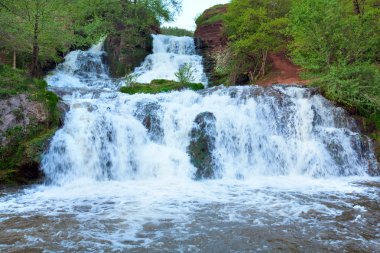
{"x": 84, "y": 70}
{"x": 271, "y": 167}
{"x": 219, "y": 133}
{"x": 257, "y": 131}
{"x": 170, "y": 53}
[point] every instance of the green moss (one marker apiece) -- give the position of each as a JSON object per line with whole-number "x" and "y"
{"x": 159, "y": 86}
{"x": 24, "y": 154}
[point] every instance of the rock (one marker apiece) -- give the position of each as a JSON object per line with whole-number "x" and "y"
{"x": 122, "y": 61}
{"x": 19, "y": 111}
{"x": 210, "y": 38}
{"x": 211, "y": 34}
{"x": 149, "y": 115}
{"x": 25, "y": 132}
{"x": 202, "y": 145}
{"x": 63, "y": 108}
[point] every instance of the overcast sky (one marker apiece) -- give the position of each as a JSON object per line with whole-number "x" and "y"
{"x": 190, "y": 9}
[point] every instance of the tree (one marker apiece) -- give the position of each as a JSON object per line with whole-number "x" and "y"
{"x": 255, "y": 28}
{"x": 330, "y": 32}
{"x": 13, "y": 38}
{"x": 43, "y": 26}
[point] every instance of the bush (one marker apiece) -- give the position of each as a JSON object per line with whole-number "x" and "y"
{"x": 355, "y": 86}
{"x": 185, "y": 74}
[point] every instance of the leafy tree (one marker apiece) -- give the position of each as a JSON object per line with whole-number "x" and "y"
{"x": 339, "y": 42}
{"x": 42, "y": 26}
{"x": 254, "y": 29}
{"x": 328, "y": 32}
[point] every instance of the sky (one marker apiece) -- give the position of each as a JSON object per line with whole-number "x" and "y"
{"x": 190, "y": 10}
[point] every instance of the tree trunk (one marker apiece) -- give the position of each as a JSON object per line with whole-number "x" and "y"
{"x": 263, "y": 64}
{"x": 357, "y": 7}
{"x": 14, "y": 59}
{"x": 36, "y": 48}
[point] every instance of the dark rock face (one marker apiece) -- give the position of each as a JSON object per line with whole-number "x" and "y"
{"x": 149, "y": 115}
{"x": 202, "y": 145}
{"x": 121, "y": 60}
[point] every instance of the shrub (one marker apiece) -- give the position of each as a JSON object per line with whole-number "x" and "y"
{"x": 185, "y": 74}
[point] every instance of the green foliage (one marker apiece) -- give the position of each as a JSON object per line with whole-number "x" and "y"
{"x": 159, "y": 86}
{"x": 175, "y": 31}
{"x": 338, "y": 43}
{"x": 132, "y": 20}
{"x": 41, "y": 30}
{"x": 13, "y": 82}
{"x": 185, "y": 74}
{"x": 329, "y": 32}
{"x": 354, "y": 86}
{"x": 254, "y": 29}
{"x": 211, "y": 16}
{"x": 38, "y": 28}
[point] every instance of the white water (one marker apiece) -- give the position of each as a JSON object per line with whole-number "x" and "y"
{"x": 170, "y": 53}
{"x": 287, "y": 162}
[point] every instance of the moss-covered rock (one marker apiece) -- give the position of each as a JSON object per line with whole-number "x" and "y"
{"x": 29, "y": 118}
{"x": 202, "y": 145}
{"x": 159, "y": 86}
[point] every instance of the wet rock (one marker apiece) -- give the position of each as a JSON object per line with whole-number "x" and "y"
{"x": 122, "y": 61}
{"x": 202, "y": 145}
{"x": 63, "y": 108}
{"x": 149, "y": 115}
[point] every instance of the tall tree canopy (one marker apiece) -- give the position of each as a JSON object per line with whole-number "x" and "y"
{"x": 44, "y": 29}
{"x": 255, "y": 27}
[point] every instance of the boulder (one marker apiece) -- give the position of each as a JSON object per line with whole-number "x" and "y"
{"x": 202, "y": 145}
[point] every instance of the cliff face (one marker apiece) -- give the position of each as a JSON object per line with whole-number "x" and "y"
{"x": 121, "y": 60}
{"x": 124, "y": 56}
{"x": 210, "y": 38}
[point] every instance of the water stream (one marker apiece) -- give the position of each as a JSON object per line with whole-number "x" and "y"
{"x": 291, "y": 172}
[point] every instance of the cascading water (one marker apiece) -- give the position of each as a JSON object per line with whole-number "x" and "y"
{"x": 84, "y": 70}
{"x": 170, "y": 53}
{"x": 275, "y": 169}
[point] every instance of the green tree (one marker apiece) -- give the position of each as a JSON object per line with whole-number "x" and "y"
{"x": 42, "y": 24}
{"x": 328, "y": 32}
{"x": 339, "y": 43}
{"x": 254, "y": 29}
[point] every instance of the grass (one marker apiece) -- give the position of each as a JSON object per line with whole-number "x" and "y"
{"x": 159, "y": 86}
